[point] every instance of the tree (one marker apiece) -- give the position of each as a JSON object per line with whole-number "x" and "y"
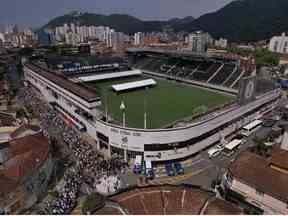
{"x": 261, "y": 149}
{"x": 264, "y": 57}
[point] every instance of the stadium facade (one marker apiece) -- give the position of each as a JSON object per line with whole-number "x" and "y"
{"x": 80, "y": 106}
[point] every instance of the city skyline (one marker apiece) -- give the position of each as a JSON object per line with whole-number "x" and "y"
{"x": 46, "y": 10}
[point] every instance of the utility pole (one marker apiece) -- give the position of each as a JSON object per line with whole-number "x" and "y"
{"x": 122, "y": 108}
{"x": 145, "y": 108}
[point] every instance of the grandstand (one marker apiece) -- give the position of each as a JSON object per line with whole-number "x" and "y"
{"x": 181, "y": 117}
{"x": 78, "y": 66}
{"x": 218, "y": 72}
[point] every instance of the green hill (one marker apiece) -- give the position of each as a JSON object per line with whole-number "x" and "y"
{"x": 244, "y": 20}
{"x": 240, "y": 21}
{"x": 120, "y": 22}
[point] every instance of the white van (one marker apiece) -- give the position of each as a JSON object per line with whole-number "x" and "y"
{"x": 214, "y": 152}
{"x": 137, "y": 169}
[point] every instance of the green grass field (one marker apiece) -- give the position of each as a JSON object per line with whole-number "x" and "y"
{"x": 166, "y": 103}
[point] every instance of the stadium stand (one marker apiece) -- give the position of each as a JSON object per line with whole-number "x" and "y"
{"x": 213, "y": 71}
{"x": 203, "y": 76}
{"x": 221, "y": 76}
{"x": 233, "y": 76}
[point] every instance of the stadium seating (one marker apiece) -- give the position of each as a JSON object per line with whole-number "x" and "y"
{"x": 202, "y": 70}
{"x": 230, "y": 80}
{"x": 204, "y": 66}
{"x": 222, "y": 75}
{"x": 203, "y": 76}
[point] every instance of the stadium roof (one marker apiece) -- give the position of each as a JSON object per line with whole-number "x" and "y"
{"x": 170, "y": 52}
{"x": 133, "y": 85}
{"x": 92, "y": 60}
{"x": 76, "y": 89}
{"x": 110, "y": 75}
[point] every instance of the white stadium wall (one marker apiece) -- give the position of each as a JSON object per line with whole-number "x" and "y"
{"x": 130, "y": 139}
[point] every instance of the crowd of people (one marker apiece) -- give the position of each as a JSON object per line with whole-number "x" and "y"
{"x": 102, "y": 174}
{"x": 107, "y": 184}
{"x": 67, "y": 195}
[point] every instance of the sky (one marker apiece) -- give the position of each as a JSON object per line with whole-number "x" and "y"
{"x": 35, "y": 13}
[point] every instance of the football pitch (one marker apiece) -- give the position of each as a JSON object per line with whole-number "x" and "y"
{"x": 166, "y": 103}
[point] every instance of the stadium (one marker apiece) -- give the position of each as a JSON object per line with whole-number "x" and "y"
{"x": 163, "y": 105}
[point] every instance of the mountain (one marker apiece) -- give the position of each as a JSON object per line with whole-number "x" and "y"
{"x": 120, "y": 22}
{"x": 239, "y": 21}
{"x": 244, "y": 20}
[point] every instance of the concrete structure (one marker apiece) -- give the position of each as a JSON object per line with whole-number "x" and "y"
{"x": 279, "y": 44}
{"x": 198, "y": 41}
{"x": 80, "y": 105}
{"x": 222, "y": 43}
{"x": 138, "y": 37}
{"x": 259, "y": 181}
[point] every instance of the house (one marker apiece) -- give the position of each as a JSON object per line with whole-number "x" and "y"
{"x": 260, "y": 182}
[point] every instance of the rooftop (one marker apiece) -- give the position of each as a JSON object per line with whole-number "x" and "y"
{"x": 24, "y": 130}
{"x": 168, "y": 199}
{"x": 6, "y": 120}
{"x": 280, "y": 158}
{"x": 80, "y": 91}
{"x": 256, "y": 172}
{"x": 24, "y": 156}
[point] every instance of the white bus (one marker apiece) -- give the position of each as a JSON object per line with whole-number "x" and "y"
{"x": 251, "y": 127}
{"x": 231, "y": 146}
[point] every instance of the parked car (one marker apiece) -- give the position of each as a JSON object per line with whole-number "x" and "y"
{"x": 179, "y": 168}
{"x": 169, "y": 169}
{"x": 214, "y": 152}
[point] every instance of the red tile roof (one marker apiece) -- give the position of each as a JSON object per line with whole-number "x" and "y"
{"x": 222, "y": 207}
{"x": 255, "y": 171}
{"x": 280, "y": 158}
{"x": 28, "y": 153}
{"x": 168, "y": 199}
